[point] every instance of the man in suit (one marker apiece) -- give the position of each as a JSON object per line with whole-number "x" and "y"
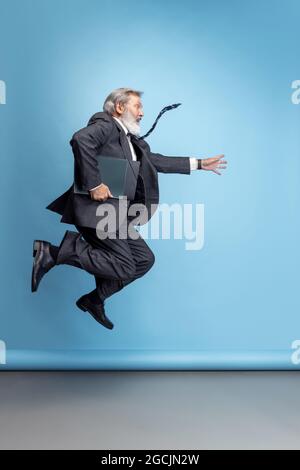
{"x": 113, "y": 261}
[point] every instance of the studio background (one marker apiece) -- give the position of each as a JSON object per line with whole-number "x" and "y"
{"x": 235, "y": 302}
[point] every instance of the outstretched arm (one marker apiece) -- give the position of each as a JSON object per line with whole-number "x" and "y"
{"x": 166, "y": 164}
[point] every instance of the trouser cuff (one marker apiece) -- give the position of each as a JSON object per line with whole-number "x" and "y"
{"x": 67, "y": 247}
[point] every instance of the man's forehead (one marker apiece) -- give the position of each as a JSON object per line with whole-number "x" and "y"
{"x": 135, "y": 99}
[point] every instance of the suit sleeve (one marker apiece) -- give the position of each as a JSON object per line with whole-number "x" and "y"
{"x": 85, "y": 144}
{"x": 164, "y": 164}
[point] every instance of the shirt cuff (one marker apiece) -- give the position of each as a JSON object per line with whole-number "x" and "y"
{"x": 193, "y": 163}
{"x": 95, "y": 187}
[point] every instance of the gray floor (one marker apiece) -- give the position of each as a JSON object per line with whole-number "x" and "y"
{"x": 149, "y": 410}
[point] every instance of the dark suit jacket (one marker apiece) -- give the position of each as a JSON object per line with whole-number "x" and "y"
{"x": 103, "y": 135}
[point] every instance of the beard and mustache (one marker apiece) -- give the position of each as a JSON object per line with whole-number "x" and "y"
{"x": 131, "y": 122}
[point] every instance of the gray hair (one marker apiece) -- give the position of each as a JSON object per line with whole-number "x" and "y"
{"x": 119, "y": 95}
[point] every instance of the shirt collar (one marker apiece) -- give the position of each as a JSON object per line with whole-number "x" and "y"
{"x": 121, "y": 124}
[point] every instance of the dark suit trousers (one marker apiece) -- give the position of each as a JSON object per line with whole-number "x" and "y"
{"x": 114, "y": 262}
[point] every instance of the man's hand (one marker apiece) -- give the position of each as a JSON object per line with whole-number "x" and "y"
{"x": 211, "y": 164}
{"x": 101, "y": 193}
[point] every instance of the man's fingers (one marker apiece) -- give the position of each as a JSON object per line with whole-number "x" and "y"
{"x": 102, "y": 197}
{"x": 215, "y": 158}
{"x": 211, "y": 161}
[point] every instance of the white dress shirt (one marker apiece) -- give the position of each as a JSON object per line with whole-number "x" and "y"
{"x": 193, "y": 161}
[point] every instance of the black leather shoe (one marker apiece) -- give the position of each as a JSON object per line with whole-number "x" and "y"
{"x": 43, "y": 262}
{"x": 96, "y": 310}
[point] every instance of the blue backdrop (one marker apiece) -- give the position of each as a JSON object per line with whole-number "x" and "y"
{"x": 235, "y": 302}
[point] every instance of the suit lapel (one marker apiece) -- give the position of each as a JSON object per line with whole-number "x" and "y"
{"x": 125, "y": 145}
{"x": 140, "y": 151}
{"x": 123, "y": 141}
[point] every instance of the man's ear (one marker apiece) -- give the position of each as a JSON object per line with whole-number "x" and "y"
{"x": 120, "y": 108}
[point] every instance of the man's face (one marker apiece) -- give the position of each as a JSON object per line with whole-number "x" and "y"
{"x": 135, "y": 107}
{"x": 131, "y": 113}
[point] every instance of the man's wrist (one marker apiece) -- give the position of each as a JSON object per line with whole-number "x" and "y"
{"x": 92, "y": 189}
{"x": 199, "y": 163}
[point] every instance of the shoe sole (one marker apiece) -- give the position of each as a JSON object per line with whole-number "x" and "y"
{"x": 81, "y": 307}
{"x": 35, "y": 249}
{"x": 87, "y": 310}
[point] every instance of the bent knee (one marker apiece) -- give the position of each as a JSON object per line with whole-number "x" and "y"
{"x": 149, "y": 261}
{"x": 128, "y": 270}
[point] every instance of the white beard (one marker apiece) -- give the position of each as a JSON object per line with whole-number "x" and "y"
{"x": 130, "y": 122}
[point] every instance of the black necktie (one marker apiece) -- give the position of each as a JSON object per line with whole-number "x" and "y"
{"x": 130, "y": 135}
{"x": 166, "y": 108}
